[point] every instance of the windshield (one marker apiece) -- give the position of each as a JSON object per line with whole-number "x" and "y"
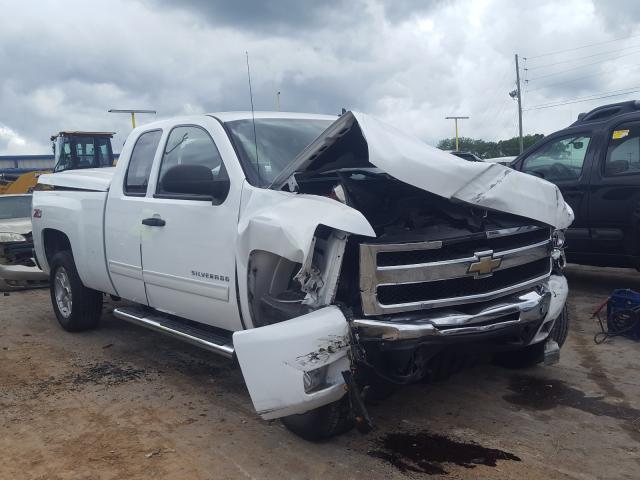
{"x": 15, "y": 207}
{"x": 280, "y": 140}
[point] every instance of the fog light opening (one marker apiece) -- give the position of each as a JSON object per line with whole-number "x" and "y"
{"x": 314, "y": 380}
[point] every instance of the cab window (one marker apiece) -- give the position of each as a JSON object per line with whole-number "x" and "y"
{"x": 192, "y": 146}
{"x": 139, "y": 168}
{"x": 623, "y": 153}
{"x": 560, "y": 159}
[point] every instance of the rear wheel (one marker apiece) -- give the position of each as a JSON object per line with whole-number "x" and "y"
{"x": 76, "y": 307}
{"x": 323, "y": 422}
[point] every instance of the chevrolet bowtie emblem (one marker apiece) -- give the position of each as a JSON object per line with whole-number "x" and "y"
{"x": 484, "y": 266}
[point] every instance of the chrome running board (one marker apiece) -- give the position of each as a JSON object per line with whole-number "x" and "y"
{"x": 156, "y": 321}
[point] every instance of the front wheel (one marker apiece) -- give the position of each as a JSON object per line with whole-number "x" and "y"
{"x": 77, "y": 307}
{"x": 534, "y": 354}
{"x": 323, "y": 422}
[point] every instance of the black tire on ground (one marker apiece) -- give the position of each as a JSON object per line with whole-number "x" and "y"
{"x": 524, "y": 358}
{"x": 534, "y": 354}
{"x": 77, "y": 307}
{"x": 560, "y": 329}
{"x": 322, "y": 423}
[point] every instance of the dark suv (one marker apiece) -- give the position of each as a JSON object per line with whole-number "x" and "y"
{"x": 596, "y": 164}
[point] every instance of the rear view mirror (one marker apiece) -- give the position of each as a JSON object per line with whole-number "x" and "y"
{"x": 578, "y": 145}
{"x": 194, "y": 180}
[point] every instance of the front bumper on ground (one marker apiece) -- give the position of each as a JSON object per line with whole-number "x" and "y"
{"x": 539, "y": 307}
{"x": 18, "y": 277}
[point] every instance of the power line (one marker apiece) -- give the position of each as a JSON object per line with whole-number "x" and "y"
{"x": 578, "y": 100}
{"x": 582, "y": 66}
{"x": 588, "y": 96}
{"x": 581, "y": 47}
{"x": 581, "y": 58}
{"x": 562, "y": 82}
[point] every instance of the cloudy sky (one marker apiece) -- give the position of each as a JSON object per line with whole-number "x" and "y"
{"x": 410, "y": 62}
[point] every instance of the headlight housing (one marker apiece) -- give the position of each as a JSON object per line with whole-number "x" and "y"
{"x": 6, "y": 237}
{"x": 558, "y": 239}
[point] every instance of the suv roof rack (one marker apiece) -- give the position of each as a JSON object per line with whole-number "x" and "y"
{"x": 607, "y": 111}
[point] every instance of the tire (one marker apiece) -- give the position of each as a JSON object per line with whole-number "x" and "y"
{"x": 534, "y": 354}
{"x": 524, "y": 358}
{"x": 323, "y": 422}
{"x": 77, "y": 307}
{"x": 560, "y": 329}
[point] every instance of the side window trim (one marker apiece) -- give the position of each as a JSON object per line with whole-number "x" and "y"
{"x": 607, "y": 150}
{"x": 126, "y": 175}
{"x": 178, "y": 196}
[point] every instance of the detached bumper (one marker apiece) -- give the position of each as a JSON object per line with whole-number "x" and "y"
{"x": 18, "y": 277}
{"x": 537, "y": 308}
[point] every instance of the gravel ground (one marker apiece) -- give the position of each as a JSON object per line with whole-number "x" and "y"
{"x": 121, "y": 402}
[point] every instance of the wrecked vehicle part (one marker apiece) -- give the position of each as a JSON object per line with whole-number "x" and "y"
{"x": 18, "y": 268}
{"x": 317, "y": 340}
{"x": 279, "y": 232}
{"x": 365, "y": 142}
{"x": 418, "y": 272}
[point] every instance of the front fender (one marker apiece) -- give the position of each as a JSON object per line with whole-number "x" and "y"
{"x": 285, "y": 224}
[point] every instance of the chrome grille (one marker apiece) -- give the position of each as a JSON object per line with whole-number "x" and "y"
{"x": 456, "y": 271}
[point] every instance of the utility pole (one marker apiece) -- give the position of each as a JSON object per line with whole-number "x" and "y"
{"x": 455, "y": 119}
{"x": 519, "y": 91}
{"x": 133, "y": 114}
{"x": 278, "y": 100}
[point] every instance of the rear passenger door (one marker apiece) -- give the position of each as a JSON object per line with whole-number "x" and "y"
{"x": 614, "y": 203}
{"x": 566, "y": 161}
{"x": 123, "y": 216}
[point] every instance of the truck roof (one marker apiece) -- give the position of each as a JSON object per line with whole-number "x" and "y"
{"x": 606, "y": 112}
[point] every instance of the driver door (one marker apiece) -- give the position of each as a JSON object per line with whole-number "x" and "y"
{"x": 566, "y": 161}
{"x": 188, "y": 239}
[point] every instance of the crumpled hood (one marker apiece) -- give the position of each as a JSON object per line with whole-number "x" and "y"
{"x": 374, "y": 143}
{"x": 16, "y": 225}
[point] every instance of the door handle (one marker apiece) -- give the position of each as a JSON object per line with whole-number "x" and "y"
{"x": 154, "y": 222}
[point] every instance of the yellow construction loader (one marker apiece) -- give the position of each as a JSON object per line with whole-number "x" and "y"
{"x": 71, "y": 150}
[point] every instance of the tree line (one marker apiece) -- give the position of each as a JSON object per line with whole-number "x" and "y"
{"x": 489, "y": 149}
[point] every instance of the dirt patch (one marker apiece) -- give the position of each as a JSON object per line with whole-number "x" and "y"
{"x": 429, "y": 453}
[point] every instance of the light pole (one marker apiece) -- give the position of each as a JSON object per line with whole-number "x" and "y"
{"x": 133, "y": 114}
{"x": 455, "y": 119}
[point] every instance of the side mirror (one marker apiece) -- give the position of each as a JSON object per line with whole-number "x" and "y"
{"x": 194, "y": 180}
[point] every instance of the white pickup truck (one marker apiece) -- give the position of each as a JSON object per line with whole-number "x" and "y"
{"x": 334, "y": 257}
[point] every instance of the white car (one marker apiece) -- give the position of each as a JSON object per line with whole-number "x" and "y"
{"x": 329, "y": 255}
{"x": 18, "y": 269}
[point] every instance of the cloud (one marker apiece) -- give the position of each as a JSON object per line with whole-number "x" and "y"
{"x": 13, "y": 144}
{"x": 409, "y": 62}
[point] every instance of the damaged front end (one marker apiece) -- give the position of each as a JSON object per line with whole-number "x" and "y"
{"x": 377, "y": 257}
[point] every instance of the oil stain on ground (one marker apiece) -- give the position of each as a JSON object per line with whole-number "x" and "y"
{"x": 545, "y": 394}
{"x": 106, "y": 373}
{"x": 424, "y": 452}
